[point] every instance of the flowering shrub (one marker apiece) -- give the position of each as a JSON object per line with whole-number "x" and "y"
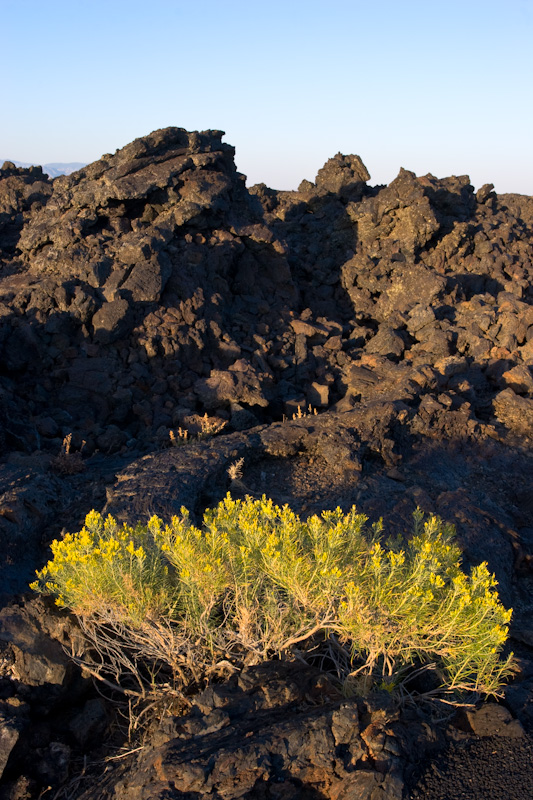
{"x": 256, "y": 581}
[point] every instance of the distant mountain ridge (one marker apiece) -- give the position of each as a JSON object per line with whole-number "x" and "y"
{"x": 53, "y": 169}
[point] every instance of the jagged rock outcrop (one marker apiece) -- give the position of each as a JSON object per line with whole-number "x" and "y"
{"x": 152, "y": 285}
{"x": 21, "y": 190}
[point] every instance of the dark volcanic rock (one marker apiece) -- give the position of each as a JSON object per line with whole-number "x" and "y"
{"x": 514, "y": 411}
{"x": 21, "y": 190}
{"x": 342, "y": 173}
{"x": 199, "y": 294}
{"x": 111, "y": 321}
{"x": 278, "y": 730}
{"x": 152, "y": 288}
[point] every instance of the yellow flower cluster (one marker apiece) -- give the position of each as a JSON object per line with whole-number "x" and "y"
{"x": 256, "y": 576}
{"x": 107, "y": 564}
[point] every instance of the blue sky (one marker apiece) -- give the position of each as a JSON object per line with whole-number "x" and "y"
{"x": 434, "y": 87}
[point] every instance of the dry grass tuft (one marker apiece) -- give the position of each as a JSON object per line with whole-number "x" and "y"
{"x": 68, "y": 462}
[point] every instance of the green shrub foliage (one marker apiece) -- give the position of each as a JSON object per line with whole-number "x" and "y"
{"x": 257, "y": 581}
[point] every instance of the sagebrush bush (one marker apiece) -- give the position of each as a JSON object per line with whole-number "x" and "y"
{"x": 257, "y": 581}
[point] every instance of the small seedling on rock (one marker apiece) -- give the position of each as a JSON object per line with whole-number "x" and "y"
{"x": 180, "y": 439}
{"x": 68, "y": 462}
{"x": 235, "y": 470}
{"x": 210, "y": 426}
{"x": 205, "y": 426}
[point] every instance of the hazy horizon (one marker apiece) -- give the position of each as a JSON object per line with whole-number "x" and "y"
{"x": 444, "y": 89}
